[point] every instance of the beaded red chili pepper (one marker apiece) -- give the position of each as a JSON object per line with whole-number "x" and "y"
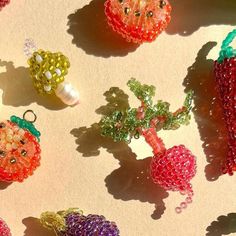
{"x": 171, "y": 168}
{"x": 225, "y": 75}
{"x": 19, "y": 148}
{"x": 3, "y": 3}
{"x": 138, "y": 21}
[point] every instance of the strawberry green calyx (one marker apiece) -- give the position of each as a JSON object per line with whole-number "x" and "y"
{"x": 128, "y": 124}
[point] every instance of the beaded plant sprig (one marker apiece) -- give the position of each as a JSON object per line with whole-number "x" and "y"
{"x": 72, "y": 222}
{"x": 138, "y": 21}
{"x": 48, "y": 71}
{"x": 171, "y": 168}
{"x": 225, "y": 76}
{"x": 19, "y": 148}
{"x": 3, "y": 3}
{"x": 4, "y": 229}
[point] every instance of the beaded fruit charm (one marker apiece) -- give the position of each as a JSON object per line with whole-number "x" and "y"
{"x": 4, "y": 229}
{"x": 3, "y": 3}
{"x": 138, "y": 20}
{"x": 19, "y": 149}
{"x": 225, "y": 75}
{"x": 73, "y": 223}
{"x": 48, "y": 71}
{"x": 171, "y": 168}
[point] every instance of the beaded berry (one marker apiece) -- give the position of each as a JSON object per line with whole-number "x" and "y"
{"x": 4, "y": 229}
{"x": 48, "y": 71}
{"x": 19, "y": 149}
{"x": 138, "y": 21}
{"x": 73, "y": 223}
{"x": 3, "y": 3}
{"x": 171, "y": 168}
{"x": 225, "y": 75}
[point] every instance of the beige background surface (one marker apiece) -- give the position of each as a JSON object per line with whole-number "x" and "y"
{"x": 80, "y": 169}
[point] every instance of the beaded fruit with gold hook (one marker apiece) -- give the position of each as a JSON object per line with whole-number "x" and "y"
{"x": 4, "y": 229}
{"x": 171, "y": 168}
{"x": 138, "y": 20}
{"x": 48, "y": 71}
{"x": 19, "y": 148}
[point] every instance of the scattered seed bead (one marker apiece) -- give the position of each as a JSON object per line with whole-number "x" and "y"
{"x": 3, "y": 3}
{"x": 178, "y": 210}
{"x": 123, "y": 18}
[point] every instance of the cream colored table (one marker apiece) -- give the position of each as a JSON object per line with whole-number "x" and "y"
{"x": 81, "y": 169}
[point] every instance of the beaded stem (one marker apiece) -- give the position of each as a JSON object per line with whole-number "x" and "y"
{"x": 226, "y": 50}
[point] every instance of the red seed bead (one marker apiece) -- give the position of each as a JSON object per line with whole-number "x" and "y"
{"x": 225, "y": 75}
{"x": 3, "y": 3}
{"x": 4, "y": 230}
{"x": 138, "y": 21}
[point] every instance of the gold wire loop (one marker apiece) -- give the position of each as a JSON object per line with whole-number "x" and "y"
{"x": 32, "y": 113}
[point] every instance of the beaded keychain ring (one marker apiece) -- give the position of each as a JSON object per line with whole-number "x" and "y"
{"x": 48, "y": 71}
{"x": 171, "y": 168}
{"x": 19, "y": 148}
{"x": 225, "y": 75}
{"x": 4, "y": 229}
{"x": 72, "y": 222}
{"x": 3, "y": 3}
{"x": 138, "y": 21}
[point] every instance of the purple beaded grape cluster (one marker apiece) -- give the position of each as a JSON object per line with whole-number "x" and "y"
{"x": 91, "y": 225}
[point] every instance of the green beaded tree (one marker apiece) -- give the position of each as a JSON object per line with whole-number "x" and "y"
{"x": 124, "y": 125}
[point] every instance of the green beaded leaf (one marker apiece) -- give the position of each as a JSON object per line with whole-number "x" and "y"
{"x": 124, "y": 125}
{"x": 144, "y": 92}
{"x": 26, "y": 125}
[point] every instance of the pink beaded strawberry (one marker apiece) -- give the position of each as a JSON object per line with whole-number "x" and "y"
{"x": 19, "y": 149}
{"x": 3, "y": 3}
{"x": 4, "y": 229}
{"x": 171, "y": 168}
{"x": 225, "y": 75}
{"x": 138, "y": 20}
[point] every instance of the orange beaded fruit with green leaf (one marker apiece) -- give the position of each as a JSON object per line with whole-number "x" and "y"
{"x": 19, "y": 149}
{"x": 138, "y": 20}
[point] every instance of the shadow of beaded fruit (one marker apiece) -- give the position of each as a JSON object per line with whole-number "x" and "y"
{"x": 131, "y": 181}
{"x": 207, "y": 111}
{"x": 90, "y": 32}
{"x": 18, "y": 90}
{"x": 224, "y": 225}
{"x": 189, "y": 15}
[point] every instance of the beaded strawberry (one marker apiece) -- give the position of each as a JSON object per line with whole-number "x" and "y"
{"x": 171, "y": 168}
{"x": 73, "y": 223}
{"x": 225, "y": 75}
{"x": 3, "y": 3}
{"x": 138, "y": 20}
{"x": 19, "y": 149}
{"x": 4, "y": 229}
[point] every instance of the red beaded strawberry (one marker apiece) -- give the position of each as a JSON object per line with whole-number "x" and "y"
{"x": 225, "y": 75}
{"x": 138, "y": 20}
{"x": 4, "y": 230}
{"x": 171, "y": 168}
{"x": 19, "y": 149}
{"x": 3, "y": 3}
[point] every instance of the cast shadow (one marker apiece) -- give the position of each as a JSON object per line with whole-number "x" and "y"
{"x": 90, "y": 32}
{"x": 189, "y": 15}
{"x": 4, "y": 185}
{"x": 224, "y": 225}
{"x": 207, "y": 111}
{"x": 33, "y": 227}
{"x": 131, "y": 180}
{"x": 18, "y": 89}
